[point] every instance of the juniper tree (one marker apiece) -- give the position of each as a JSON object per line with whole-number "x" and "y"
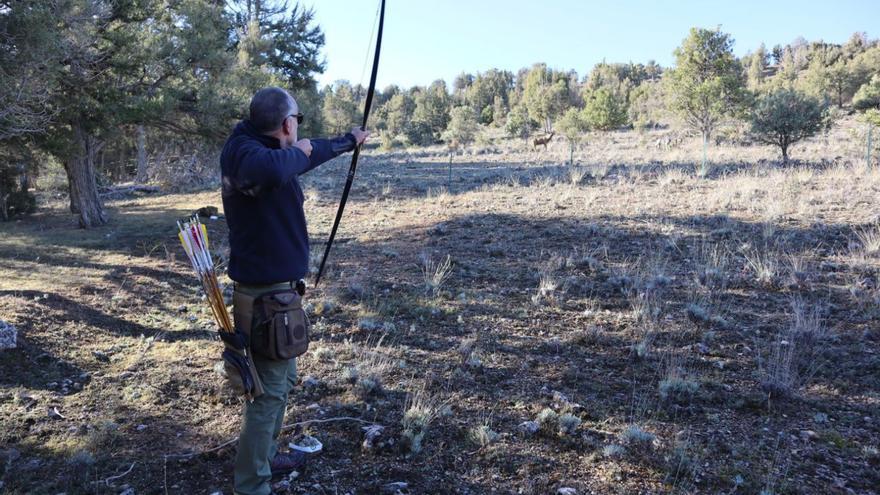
{"x": 867, "y": 100}
{"x": 519, "y": 124}
{"x": 784, "y": 116}
{"x": 604, "y": 110}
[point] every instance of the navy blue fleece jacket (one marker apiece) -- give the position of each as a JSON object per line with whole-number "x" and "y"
{"x": 263, "y": 203}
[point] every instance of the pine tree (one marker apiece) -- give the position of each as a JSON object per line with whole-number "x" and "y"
{"x": 706, "y": 85}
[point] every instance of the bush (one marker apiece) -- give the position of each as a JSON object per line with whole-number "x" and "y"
{"x": 568, "y": 424}
{"x": 635, "y": 436}
{"x": 14, "y": 200}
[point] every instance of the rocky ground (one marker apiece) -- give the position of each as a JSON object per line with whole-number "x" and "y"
{"x": 517, "y": 326}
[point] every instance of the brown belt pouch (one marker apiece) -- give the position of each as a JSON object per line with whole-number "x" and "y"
{"x": 281, "y": 327}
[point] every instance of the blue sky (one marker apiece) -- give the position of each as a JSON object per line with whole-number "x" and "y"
{"x": 428, "y": 40}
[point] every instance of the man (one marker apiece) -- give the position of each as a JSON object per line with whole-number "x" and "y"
{"x": 269, "y": 251}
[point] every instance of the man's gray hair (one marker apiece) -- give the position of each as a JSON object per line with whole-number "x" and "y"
{"x": 269, "y": 107}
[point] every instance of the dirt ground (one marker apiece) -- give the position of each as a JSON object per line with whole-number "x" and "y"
{"x": 617, "y": 326}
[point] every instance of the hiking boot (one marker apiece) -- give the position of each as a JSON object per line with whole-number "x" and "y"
{"x": 285, "y": 462}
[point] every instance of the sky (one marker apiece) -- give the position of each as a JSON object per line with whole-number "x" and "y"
{"x": 429, "y": 40}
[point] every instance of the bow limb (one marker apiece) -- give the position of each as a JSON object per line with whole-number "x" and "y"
{"x": 354, "y": 157}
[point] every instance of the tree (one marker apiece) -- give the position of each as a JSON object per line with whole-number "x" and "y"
{"x": 399, "y": 110}
{"x": 488, "y": 94}
{"x": 868, "y": 96}
{"x": 519, "y": 124}
{"x": 757, "y": 67}
{"x": 109, "y": 55}
{"x": 573, "y": 124}
{"x": 341, "y": 107}
{"x": 432, "y": 110}
{"x": 867, "y": 100}
{"x": 646, "y": 107}
{"x": 462, "y": 130}
{"x": 784, "y": 117}
{"x": 604, "y": 110}
{"x": 29, "y": 59}
{"x": 287, "y": 42}
{"x": 546, "y": 94}
{"x": 776, "y": 54}
{"x": 706, "y": 86}
{"x": 499, "y": 111}
{"x": 843, "y": 81}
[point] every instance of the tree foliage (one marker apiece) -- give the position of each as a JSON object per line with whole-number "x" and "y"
{"x": 341, "y": 107}
{"x": 573, "y": 124}
{"x": 706, "y": 85}
{"x": 463, "y": 128}
{"x": 547, "y": 93}
{"x": 432, "y": 111}
{"x": 604, "y": 110}
{"x": 868, "y": 96}
{"x": 519, "y": 124}
{"x": 783, "y": 117}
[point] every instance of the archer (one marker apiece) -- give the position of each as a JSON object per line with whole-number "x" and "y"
{"x": 269, "y": 257}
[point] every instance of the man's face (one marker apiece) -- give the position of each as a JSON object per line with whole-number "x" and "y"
{"x": 290, "y": 126}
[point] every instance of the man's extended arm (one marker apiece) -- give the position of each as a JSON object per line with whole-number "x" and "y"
{"x": 260, "y": 168}
{"x": 327, "y": 149}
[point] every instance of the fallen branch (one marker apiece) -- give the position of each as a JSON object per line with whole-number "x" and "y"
{"x": 283, "y": 428}
{"x": 114, "y": 478}
{"x": 122, "y": 190}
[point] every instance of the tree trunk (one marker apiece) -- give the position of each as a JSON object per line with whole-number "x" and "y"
{"x": 4, "y": 214}
{"x": 449, "y": 183}
{"x": 784, "y": 154}
{"x": 571, "y": 153}
{"x": 141, "y": 155}
{"x": 704, "y": 167}
{"x": 81, "y": 176}
{"x": 71, "y": 192}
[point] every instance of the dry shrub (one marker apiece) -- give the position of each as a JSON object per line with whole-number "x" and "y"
{"x": 792, "y": 359}
{"x": 421, "y": 409}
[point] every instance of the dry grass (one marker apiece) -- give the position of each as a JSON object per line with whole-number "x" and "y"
{"x": 626, "y": 261}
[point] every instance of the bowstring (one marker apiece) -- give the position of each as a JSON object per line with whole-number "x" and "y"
{"x": 367, "y": 54}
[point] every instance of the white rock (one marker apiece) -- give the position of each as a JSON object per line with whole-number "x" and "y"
{"x": 566, "y": 491}
{"x": 8, "y": 336}
{"x": 528, "y": 428}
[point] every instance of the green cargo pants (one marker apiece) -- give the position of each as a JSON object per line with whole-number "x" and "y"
{"x": 263, "y": 418}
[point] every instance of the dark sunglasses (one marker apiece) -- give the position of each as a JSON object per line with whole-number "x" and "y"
{"x": 299, "y": 117}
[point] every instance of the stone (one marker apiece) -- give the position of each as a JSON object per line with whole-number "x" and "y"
{"x": 395, "y": 487}
{"x": 310, "y": 382}
{"x": 566, "y": 491}
{"x": 528, "y": 428}
{"x": 8, "y": 336}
